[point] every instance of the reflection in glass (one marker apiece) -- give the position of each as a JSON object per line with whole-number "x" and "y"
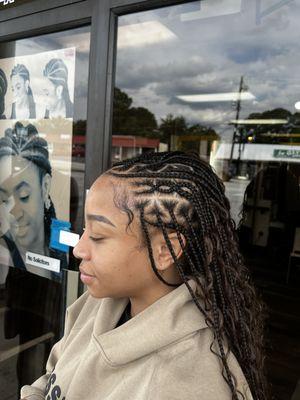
{"x": 26, "y": 205}
{"x": 221, "y": 78}
{"x": 41, "y": 177}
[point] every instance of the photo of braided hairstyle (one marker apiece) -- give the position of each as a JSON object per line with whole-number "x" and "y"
{"x": 57, "y": 72}
{"x": 3, "y": 90}
{"x": 179, "y": 191}
{"x": 23, "y": 72}
{"x": 24, "y": 141}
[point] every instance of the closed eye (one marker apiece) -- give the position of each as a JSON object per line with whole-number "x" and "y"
{"x": 24, "y": 199}
{"x": 95, "y": 239}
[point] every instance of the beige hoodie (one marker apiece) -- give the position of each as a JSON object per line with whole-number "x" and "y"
{"x": 163, "y": 353}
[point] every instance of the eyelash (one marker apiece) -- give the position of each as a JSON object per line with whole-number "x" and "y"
{"x": 24, "y": 199}
{"x": 96, "y": 239}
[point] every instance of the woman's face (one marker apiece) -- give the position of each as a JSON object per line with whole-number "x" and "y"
{"x": 51, "y": 98}
{"x": 19, "y": 88}
{"x": 21, "y": 195}
{"x": 113, "y": 264}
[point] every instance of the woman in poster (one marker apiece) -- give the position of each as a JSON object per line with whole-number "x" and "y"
{"x": 32, "y": 301}
{"x": 24, "y": 189}
{"x": 23, "y": 106}
{"x": 58, "y": 102}
{"x": 3, "y": 89}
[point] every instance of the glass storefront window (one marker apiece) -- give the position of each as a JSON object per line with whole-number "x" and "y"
{"x": 221, "y": 78}
{"x": 43, "y": 108}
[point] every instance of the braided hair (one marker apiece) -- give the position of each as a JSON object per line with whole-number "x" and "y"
{"x": 178, "y": 191}
{"x": 3, "y": 89}
{"x": 23, "y": 72}
{"x": 57, "y": 72}
{"x": 24, "y": 141}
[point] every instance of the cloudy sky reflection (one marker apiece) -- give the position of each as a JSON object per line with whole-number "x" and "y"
{"x": 210, "y": 54}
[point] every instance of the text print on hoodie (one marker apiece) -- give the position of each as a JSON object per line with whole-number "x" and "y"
{"x": 163, "y": 353}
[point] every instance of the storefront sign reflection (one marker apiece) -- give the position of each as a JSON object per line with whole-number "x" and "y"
{"x": 284, "y": 153}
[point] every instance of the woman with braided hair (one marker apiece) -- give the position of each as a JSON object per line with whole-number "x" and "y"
{"x": 23, "y": 106}
{"x": 170, "y": 312}
{"x": 25, "y": 179}
{"x": 32, "y": 300}
{"x": 56, "y": 91}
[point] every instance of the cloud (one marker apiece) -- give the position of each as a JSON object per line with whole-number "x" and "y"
{"x": 210, "y": 56}
{"x": 138, "y": 75}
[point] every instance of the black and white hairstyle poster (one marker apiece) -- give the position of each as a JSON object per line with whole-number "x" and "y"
{"x": 36, "y": 120}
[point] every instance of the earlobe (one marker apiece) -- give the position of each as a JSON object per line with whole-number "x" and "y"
{"x": 59, "y": 91}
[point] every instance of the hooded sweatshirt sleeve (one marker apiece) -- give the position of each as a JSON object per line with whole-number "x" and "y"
{"x": 36, "y": 391}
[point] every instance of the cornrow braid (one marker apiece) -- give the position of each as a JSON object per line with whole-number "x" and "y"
{"x": 3, "y": 90}
{"x": 23, "y": 72}
{"x": 178, "y": 191}
{"x": 3, "y": 83}
{"x": 57, "y": 72}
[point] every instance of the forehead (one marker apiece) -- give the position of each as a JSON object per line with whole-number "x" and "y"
{"x": 17, "y": 79}
{"x": 15, "y": 169}
{"x": 47, "y": 84}
{"x": 100, "y": 201}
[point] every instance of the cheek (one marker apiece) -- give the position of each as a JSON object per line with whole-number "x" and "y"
{"x": 52, "y": 99}
{"x": 20, "y": 91}
{"x": 107, "y": 260}
{"x": 111, "y": 259}
{"x": 35, "y": 207}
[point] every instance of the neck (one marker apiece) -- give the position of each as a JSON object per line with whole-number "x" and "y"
{"x": 140, "y": 302}
{"x": 38, "y": 247}
{"x": 59, "y": 110}
{"x": 24, "y": 102}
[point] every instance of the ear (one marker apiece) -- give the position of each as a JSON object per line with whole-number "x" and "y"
{"x": 59, "y": 91}
{"x": 46, "y": 186}
{"x": 163, "y": 256}
{"x": 27, "y": 85}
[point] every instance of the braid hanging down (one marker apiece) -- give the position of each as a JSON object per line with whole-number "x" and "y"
{"x": 179, "y": 191}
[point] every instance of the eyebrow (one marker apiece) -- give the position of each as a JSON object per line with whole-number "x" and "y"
{"x": 99, "y": 218}
{"x": 21, "y": 184}
{"x": 18, "y": 187}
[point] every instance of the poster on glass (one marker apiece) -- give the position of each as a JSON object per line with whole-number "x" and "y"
{"x": 36, "y": 119}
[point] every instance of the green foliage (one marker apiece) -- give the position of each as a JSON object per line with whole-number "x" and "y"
{"x": 139, "y": 121}
{"x": 127, "y": 120}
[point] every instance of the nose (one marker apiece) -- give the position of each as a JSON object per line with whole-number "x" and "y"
{"x": 81, "y": 250}
{"x": 17, "y": 210}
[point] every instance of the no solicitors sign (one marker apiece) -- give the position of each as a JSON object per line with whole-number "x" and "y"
{"x": 12, "y": 3}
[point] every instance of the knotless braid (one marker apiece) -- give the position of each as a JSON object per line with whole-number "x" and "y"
{"x": 178, "y": 191}
{"x": 215, "y": 323}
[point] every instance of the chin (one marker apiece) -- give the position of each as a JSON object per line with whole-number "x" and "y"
{"x": 102, "y": 294}
{"x": 23, "y": 243}
{"x": 96, "y": 293}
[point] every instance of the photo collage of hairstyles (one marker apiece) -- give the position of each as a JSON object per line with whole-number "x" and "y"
{"x": 36, "y": 122}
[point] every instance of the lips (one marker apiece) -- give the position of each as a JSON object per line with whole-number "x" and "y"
{"x": 84, "y": 272}
{"x": 21, "y": 230}
{"x": 86, "y": 278}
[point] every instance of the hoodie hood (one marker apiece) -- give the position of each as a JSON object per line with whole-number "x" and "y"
{"x": 168, "y": 320}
